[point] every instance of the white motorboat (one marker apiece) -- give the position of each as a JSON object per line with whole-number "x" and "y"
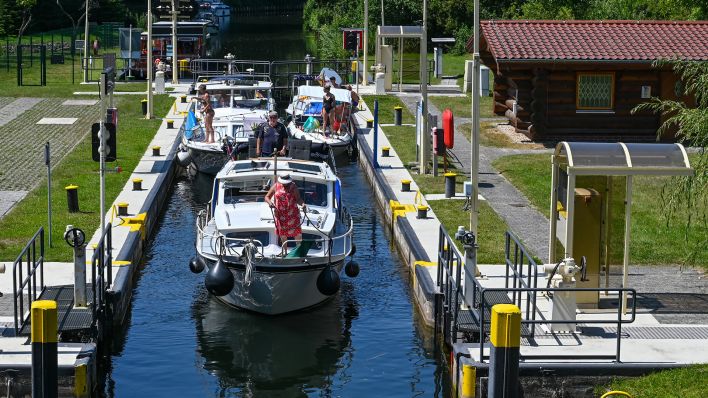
{"x": 308, "y": 104}
{"x": 240, "y": 104}
{"x": 248, "y": 267}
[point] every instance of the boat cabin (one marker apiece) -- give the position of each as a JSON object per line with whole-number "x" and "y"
{"x": 192, "y": 43}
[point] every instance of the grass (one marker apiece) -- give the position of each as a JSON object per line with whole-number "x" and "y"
{"x": 674, "y": 383}
{"x": 655, "y": 239}
{"x": 449, "y": 212}
{"x": 462, "y": 106}
{"x": 134, "y": 135}
{"x": 490, "y": 136}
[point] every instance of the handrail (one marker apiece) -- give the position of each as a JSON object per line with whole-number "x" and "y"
{"x": 101, "y": 275}
{"x": 30, "y": 281}
{"x": 516, "y": 266}
{"x": 618, "y": 322}
{"x": 346, "y": 237}
{"x": 449, "y": 282}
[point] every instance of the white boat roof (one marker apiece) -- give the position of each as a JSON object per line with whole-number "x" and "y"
{"x": 260, "y": 85}
{"x": 238, "y": 169}
{"x": 340, "y": 94}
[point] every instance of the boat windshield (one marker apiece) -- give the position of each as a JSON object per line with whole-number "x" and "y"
{"x": 237, "y": 131}
{"x": 241, "y": 98}
{"x": 246, "y": 191}
{"x": 313, "y": 193}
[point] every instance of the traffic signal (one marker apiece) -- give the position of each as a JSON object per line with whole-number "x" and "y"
{"x": 108, "y": 80}
{"x": 110, "y": 147}
{"x": 350, "y": 40}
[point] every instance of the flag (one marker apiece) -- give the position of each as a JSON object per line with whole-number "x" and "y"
{"x": 190, "y": 124}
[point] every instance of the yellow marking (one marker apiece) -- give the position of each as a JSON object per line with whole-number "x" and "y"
{"x": 70, "y": 187}
{"x": 137, "y": 180}
{"x": 506, "y": 326}
{"x": 611, "y": 393}
{"x": 80, "y": 380}
{"x": 386, "y": 148}
{"x": 423, "y": 207}
{"x": 116, "y": 263}
{"x": 425, "y": 263}
{"x": 156, "y": 147}
{"x": 170, "y": 121}
{"x": 122, "y": 204}
{"x": 44, "y": 321}
{"x": 137, "y": 223}
{"x": 398, "y": 209}
{"x": 418, "y": 200}
{"x": 561, "y": 210}
{"x": 450, "y": 175}
{"x": 469, "y": 380}
{"x": 405, "y": 181}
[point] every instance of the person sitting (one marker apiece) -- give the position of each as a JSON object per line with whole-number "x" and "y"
{"x": 333, "y": 82}
{"x": 328, "y": 103}
{"x": 271, "y": 137}
{"x": 355, "y": 98}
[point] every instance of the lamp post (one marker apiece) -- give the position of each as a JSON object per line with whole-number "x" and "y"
{"x": 148, "y": 64}
{"x": 425, "y": 143}
{"x": 86, "y": 43}
{"x": 366, "y": 42}
{"x": 474, "y": 173}
{"x": 175, "y": 80}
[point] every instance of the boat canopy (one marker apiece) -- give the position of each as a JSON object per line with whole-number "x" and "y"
{"x": 340, "y": 94}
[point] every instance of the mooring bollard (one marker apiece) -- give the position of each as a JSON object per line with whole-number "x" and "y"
{"x": 156, "y": 150}
{"x": 183, "y": 99}
{"x": 450, "y": 184}
{"x": 397, "y": 115}
{"x": 44, "y": 348}
{"x": 505, "y": 337}
{"x": 405, "y": 185}
{"x": 170, "y": 124}
{"x": 385, "y": 151}
{"x": 122, "y": 209}
{"x": 137, "y": 184}
{"x": 370, "y": 123}
{"x": 144, "y": 104}
{"x": 72, "y": 198}
{"x": 469, "y": 381}
{"x": 422, "y": 211}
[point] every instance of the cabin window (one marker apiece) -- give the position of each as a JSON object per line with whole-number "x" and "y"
{"x": 595, "y": 91}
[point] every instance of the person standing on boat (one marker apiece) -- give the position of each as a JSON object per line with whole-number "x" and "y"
{"x": 284, "y": 198}
{"x": 328, "y": 103}
{"x": 271, "y": 137}
{"x": 208, "y": 112}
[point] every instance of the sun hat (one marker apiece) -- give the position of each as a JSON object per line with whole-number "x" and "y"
{"x": 285, "y": 179}
{"x": 272, "y": 113}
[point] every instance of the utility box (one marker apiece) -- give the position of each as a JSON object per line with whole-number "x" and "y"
{"x": 437, "y": 57}
{"x": 387, "y": 61}
{"x": 587, "y": 234}
{"x": 484, "y": 88}
{"x": 160, "y": 82}
{"x": 380, "y": 83}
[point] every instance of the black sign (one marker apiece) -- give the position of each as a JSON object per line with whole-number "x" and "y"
{"x": 110, "y": 148}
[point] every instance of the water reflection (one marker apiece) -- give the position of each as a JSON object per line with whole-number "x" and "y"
{"x": 266, "y": 38}
{"x": 288, "y": 355}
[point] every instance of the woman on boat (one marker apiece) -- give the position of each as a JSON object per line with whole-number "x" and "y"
{"x": 327, "y": 108}
{"x": 208, "y": 112}
{"x": 284, "y": 198}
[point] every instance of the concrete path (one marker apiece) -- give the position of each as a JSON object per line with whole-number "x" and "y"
{"x": 527, "y": 222}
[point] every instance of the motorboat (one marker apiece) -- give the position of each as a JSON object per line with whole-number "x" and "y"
{"x": 248, "y": 266}
{"x": 305, "y": 118}
{"x": 241, "y": 103}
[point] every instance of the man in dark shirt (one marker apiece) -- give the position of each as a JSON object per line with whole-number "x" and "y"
{"x": 271, "y": 137}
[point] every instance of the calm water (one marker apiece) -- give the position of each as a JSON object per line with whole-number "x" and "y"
{"x": 181, "y": 342}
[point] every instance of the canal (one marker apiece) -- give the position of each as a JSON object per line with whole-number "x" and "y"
{"x": 366, "y": 341}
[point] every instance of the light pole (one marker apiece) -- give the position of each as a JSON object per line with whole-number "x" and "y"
{"x": 425, "y": 142}
{"x": 175, "y": 80}
{"x": 366, "y": 40}
{"x": 84, "y": 61}
{"x": 474, "y": 213}
{"x": 148, "y": 65}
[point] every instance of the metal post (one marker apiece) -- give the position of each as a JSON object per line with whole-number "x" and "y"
{"x": 102, "y": 152}
{"x": 425, "y": 141}
{"x": 84, "y": 59}
{"x": 627, "y": 230}
{"x": 47, "y": 162}
{"x": 505, "y": 339}
{"x": 44, "y": 349}
{"x": 130, "y": 51}
{"x": 148, "y": 66}
{"x": 358, "y": 39}
{"x": 376, "y": 134}
{"x": 79, "y": 275}
{"x": 366, "y": 34}
{"x": 474, "y": 177}
{"x": 400, "y": 65}
{"x": 175, "y": 80}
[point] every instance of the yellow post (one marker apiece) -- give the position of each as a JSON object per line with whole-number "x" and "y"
{"x": 505, "y": 337}
{"x": 43, "y": 320}
{"x": 469, "y": 381}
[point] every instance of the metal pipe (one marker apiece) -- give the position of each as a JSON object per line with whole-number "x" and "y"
{"x": 425, "y": 139}
{"x": 84, "y": 61}
{"x": 474, "y": 172}
{"x": 366, "y": 40}
{"x": 627, "y": 232}
{"x": 148, "y": 64}
{"x": 175, "y": 79}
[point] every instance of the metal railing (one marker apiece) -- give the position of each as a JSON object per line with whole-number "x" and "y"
{"x": 520, "y": 288}
{"x": 215, "y": 67}
{"x": 102, "y": 277}
{"x": 33, "y": 262}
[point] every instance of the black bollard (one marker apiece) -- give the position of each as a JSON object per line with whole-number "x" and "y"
{"x": 405, "y": 185}
{"x": 422, "y": 212}
{"x": 398, "y": 115}
{"x": 122, "y": 209}
{"x": 170, "y": 124}
{"x": 44, "y": 348}
{"x": 72, "y": 198}
{"x": 385, "y": 151}
{"x": 370, "y": 123}
{"x": 144, "y": 104}
{"x": 183, "y": 99}
{"x": 137, "y": 184}
{"x": 450, "y": 184}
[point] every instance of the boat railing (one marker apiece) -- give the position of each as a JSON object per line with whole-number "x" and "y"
{"x": 340, "y": 245}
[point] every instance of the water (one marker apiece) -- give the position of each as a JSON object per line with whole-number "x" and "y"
{"x": 181, "y": 342}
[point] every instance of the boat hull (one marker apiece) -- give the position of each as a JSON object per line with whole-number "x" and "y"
{"x": 276, "y": 292}
{"x": 207, "y": 162}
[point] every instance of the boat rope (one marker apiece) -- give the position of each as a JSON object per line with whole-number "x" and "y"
{"x": 249, "y": 251}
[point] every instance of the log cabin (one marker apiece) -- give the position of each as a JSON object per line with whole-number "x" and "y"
{"x": 580, "y": 80}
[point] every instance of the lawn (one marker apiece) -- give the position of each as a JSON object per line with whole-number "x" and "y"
{"x": 134, "y": 135}
{"x": 674, "y": 383}
{"x": 461, "y": 107}
{"x": 449, "y": 212}
{"x": 655, "y": 238}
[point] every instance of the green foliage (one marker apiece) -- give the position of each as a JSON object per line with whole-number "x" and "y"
{"x": 681, "y": 382}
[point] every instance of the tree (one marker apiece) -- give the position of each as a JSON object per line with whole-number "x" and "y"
{"x": 691, "y": 122}
{"x": 25, "y": 7}
{"x": 76, "y": 18}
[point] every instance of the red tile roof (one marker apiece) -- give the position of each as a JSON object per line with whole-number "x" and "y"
{"x": 595, "y": 40}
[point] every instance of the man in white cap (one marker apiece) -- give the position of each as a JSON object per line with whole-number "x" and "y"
{"x": 271, "y": 137}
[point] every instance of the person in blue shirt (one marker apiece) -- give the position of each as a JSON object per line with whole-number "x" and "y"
{"x": 271, "y": 137}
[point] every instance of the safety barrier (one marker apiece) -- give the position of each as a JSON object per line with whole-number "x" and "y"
{"x": 34, "y": 263}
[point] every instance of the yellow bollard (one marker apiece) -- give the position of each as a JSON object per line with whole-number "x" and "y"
{"x": 469, "y": 381}
{"x": 505, "y": 337}
{"x": 44, "y": 348}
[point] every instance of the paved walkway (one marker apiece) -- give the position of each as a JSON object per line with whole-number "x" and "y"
{"x": 528, "y": 223}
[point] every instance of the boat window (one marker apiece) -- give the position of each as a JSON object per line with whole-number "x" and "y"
{"x": 246, "y": 191}
{"x": 250, "y": 166}
{"x": 312, "y": 168}
{"x": 238, "y": 131}
{"x": 261, "y": 236}
{"x": 313, "y": 193}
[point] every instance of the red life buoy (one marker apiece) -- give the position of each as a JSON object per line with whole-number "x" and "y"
{"x": 448, "y": 125}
